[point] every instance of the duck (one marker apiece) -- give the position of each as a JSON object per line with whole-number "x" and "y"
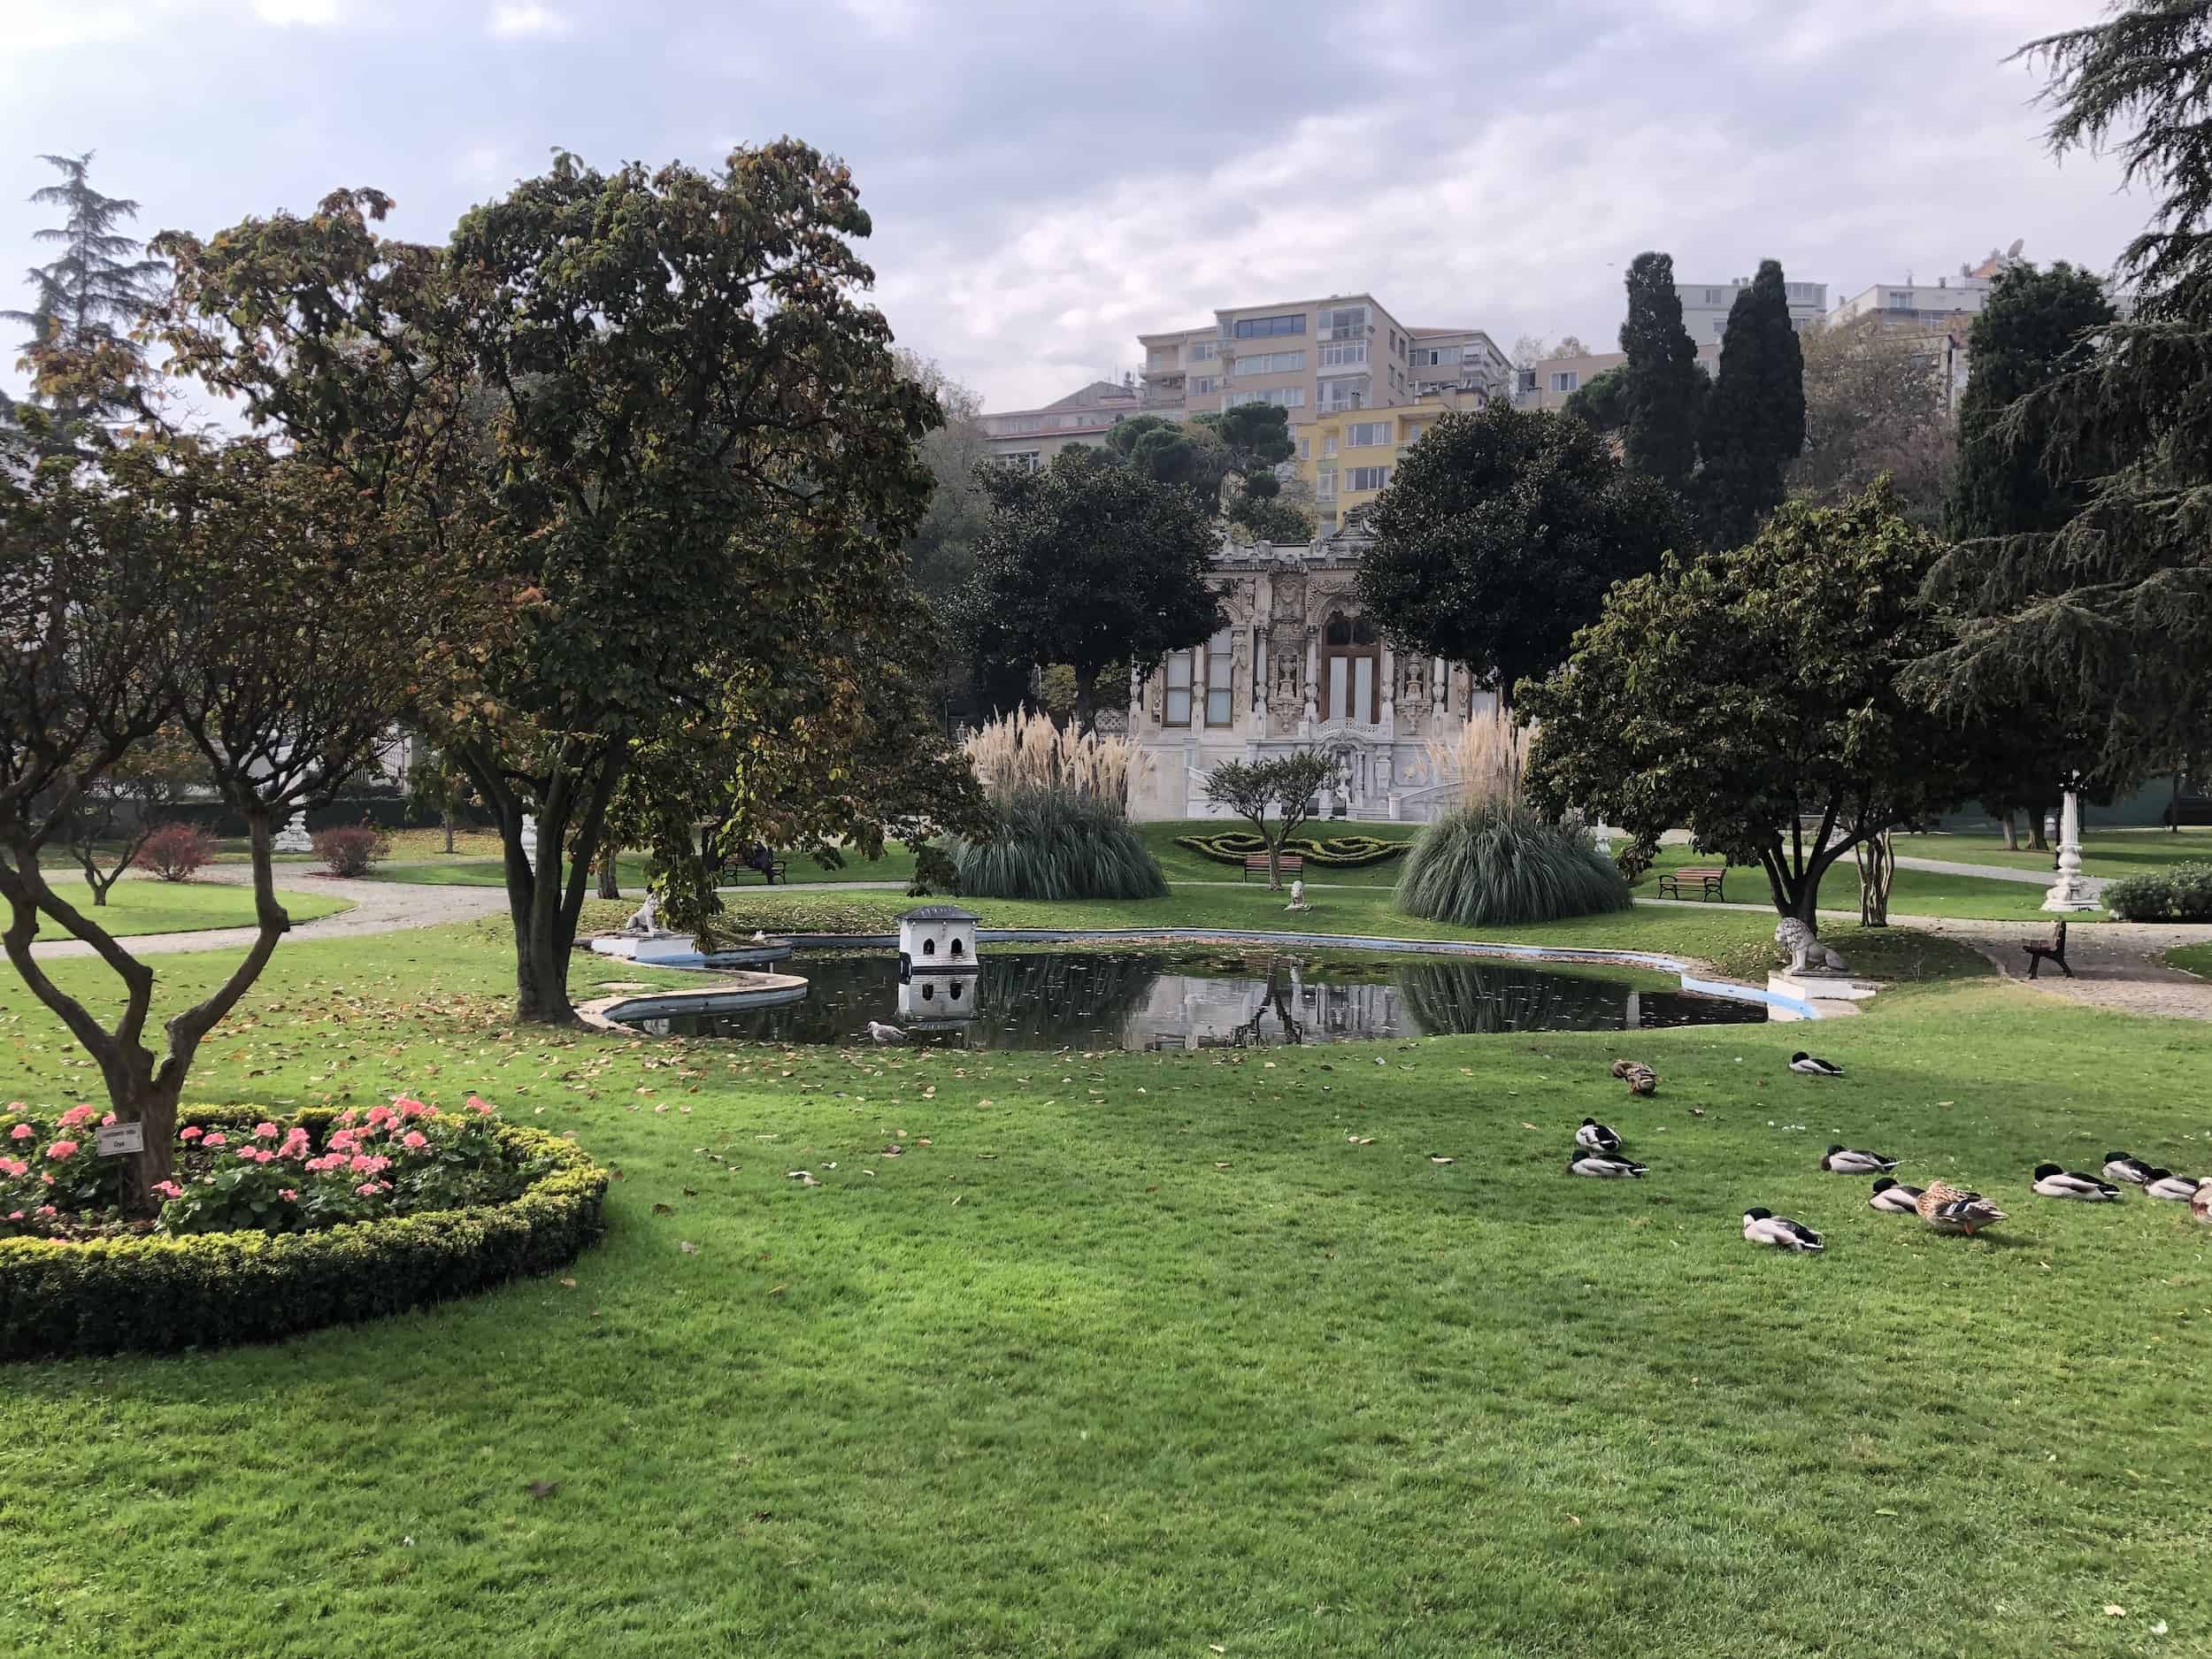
{"x": 1603, "y": 1165}
{"x": 1763, "y": 1226}
{"x": 1851, "y": 1161}
{"x": 2051, "y": 1181}
{"x": 1893, "y": 1197}
{"x": 2201, "y": 1201}
{"x": 2166, "y": 1184}
{"x": 1640, "y": 1079}
{"x": 1811, "y": 1066}
{"x": 2118, "y": 1166}
{"x": 1596, "y": 1137}
{"x": 1949, "y": 1208}
{"x": 878, "y": 1032}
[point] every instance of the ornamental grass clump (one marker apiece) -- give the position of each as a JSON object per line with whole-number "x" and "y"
{"x": 1060, "y": 798}
{"x": 1493, "y": 863}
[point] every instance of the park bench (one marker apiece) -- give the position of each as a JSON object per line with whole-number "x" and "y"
{"x": 2054, "y": 951}
{"x": 2192, "y": 809}
{"x": 1707, "y": 879}
{"x": 1255, "y": 864}
{"x": 733, "y": 873}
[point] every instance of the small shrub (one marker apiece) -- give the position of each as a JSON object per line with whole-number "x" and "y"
{"x": 2183, "y": 893}
{"x": 177, "y": 852}
{"x": 351, "y": 851}
{"x": 1059, "y": 843}
{"x": 1339, "y": 852}
{"x": 1490, "y": 864}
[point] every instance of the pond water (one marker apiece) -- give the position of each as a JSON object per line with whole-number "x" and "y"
{"x": 1150, "y": 1000}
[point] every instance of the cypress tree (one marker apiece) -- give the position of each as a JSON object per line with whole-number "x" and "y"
{"x": 1662, "y": 389}
{"x": 1755, "y": 420}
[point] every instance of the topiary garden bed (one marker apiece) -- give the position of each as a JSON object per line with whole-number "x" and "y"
{"x": 274, "y": 1228}
{"x": 1339, "y": 852}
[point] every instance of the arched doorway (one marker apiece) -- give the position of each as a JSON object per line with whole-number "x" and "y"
{"x": 1351, "y": 670}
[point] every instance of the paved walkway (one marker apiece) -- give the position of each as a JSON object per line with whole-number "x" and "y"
{"x": 2119, "y": 965}
{"x": 2093, "y": 885}
{"x": 378, "y": 907}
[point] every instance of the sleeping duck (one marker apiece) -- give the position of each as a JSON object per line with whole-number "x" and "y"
{"x": 2201, "y": 1202}
{"x": 2166, "y": 1184}
{"x": 1811, "y": 1066}
{"x": 2051, "y": 1181}
{"x": 1850, "y": 1161}
{"x": 1949, "y": 1208}
{"x": 1640, "y": 1079}
{"x": 1894, "y": 1197}
{"x": 2118, "y": 1166}
{"x": 1595, "y": 1137}
{"x": 1603, "y": 1165}
{"x": 1763, "y": 1226}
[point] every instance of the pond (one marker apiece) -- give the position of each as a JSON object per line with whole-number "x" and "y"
{"x": 1151, "y": 1000}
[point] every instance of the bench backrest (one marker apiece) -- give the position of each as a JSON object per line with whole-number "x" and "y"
{"x": 2058, "y": 936}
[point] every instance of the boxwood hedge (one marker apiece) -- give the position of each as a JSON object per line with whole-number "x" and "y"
{"x": 2183, "y": 893}
{"x": 1341, "y": 852}
{"x": 154, "y": 1292}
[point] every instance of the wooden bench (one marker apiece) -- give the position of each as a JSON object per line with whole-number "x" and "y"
{"x": 2192, "y": 809}
{"x": 1255, "y": 864}
{"x": 1709, "y": 881}
{"x": 2055, "y": 951}
{"x": 775, "y": 872}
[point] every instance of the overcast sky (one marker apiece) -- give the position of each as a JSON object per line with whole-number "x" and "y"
{"x": 1048, "y": 177}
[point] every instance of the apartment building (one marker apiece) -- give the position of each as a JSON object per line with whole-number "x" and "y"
{"x": 1348, "y": 457}
{"x": 1548, "y": 382}
{"x": 1314, "y": 357}
{"x": 1029, "y": 438}
{"x": 1706, "y": 305}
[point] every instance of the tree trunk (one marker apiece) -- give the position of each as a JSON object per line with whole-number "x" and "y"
{"x": 2036, "y": 838}
{"x": 446, "y": 817}
{"x": 610, "y": 875}
{"x": 1878, "y": 863}
{"x": 2012, "y": 834}
{"x": 1086, "y": 699}
{"x": 1274, "y": 862}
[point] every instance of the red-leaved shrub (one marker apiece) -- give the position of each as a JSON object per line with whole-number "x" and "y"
{"x": 176, "y": 852}
{"x": 350, "y": 852}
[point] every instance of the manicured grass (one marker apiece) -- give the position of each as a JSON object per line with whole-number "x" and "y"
{"x": 1149, "y": 1354}
{"x": 2194, "y": 958}
{"x": 897, "y": 864}
{"x": 1911, "y": 893}
{"x": 136, "y": 905}
{"x": 1182, "y": 865}
{"x": 2104, "y": 852}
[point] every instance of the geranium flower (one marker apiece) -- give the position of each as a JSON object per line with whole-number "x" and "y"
{"x": 62, "y": 1150}
{"x": 264, "y": 1131}
{"x": 192, "y": 1134}
{"x": 369, "y": 1189}
{"x": 414, "y": 1138}
{"x": 169, "y": 1189}
{"x": 477, "y": 1103}
{"x": 14, "y": 1166}
{"x": 78, "y": 1114}
{"x": 216, "y": 1140}
{"x": 48, "y": 1209}
{"x": 22, "y": 1131}
{"x": 245, "y": 1154}
{"x": 344, "y": 1140}
{"x": 288, "y": 1195}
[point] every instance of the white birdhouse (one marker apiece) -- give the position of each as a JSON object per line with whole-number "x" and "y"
{"x": 931, "y": 1000}
{"x": 936, "y": 939}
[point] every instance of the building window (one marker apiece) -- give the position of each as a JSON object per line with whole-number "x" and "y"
{"x": 1203, "y": 382}
{"x": 1160, "y": 357}
{"x": 1716, "y": 296}
{"x": 1281, "y": 396}
{"x": 1324, "y": 484}
{"x": 1357, "y": 478}
{"x": 1352, "y": 352}
{"x": 1366, "y": 435}
{"x": 1266, "y": 327}
{"x": 1343, "y": 319}
{"x": 1022, "y": 460}
{"x": 1305, "y": 449}
{"x": 1328, "y": 444}
{"x": 1178, "y": 710}
{"x": 1411, "y": 432}
{"x": 1566, "y": 379}
{"x": 1204, "y": 351}
{"x": 1271, "y": 362}
{"x": 1220, "y": 676}
{"x": 1435, "y": 356}
{"x": 1348, "y": 670}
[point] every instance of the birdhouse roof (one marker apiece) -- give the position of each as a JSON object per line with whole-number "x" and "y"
{"x": 939, "y": 913}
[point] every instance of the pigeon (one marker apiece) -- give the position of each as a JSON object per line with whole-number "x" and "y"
{"x": 1763, "y": 1226}
{"x": 878, "y": 1032}
{"x": 1595, "y": 1136}
{"x": 1812, "y": 1066}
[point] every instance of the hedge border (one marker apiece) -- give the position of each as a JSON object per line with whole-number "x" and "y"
{"x": 2181, "y": 893}
{"x": 1233, "y": 847}
{"x": 211, "y": 1289}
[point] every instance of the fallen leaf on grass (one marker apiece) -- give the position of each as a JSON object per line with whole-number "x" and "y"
{"x": 691, "y": 1192}
{"x": 568, "y": 1284}
{"x": 663, "y": 1209}
{"x": 805, "y": 1177}
{"x": 1528, "y": 1125}
{"x": 543, "y": 1488}
{"x": 1438, "y": 1157}
{"x": 777, "y": 1291}
{"x": 1361, "y": 1140}
{"x": 689, "y": 1248}
{"x": 1576, "y": 1519}
{"x": 2113, "y": 1609}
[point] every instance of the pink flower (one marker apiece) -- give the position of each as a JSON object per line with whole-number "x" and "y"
{"x": 169, "y": 1189}
{"x": 193, "y": 1133}
{"x": 245, "y": 1154}
{"x": 14, "y": 1166}
{"x": 262, "y": 1155}
{"x": 415, "y": 1138}
{"x": 344, "y": 1140}
{"x": 478, "y": 1103}
{"x": 47, "y": 1210}
{"x": 288, "y": 1195}
{"x": 382, "y": 1114}
{"x": 345, "y": 1117}
{"x": 15, "y": 1214}
{"x": 295, "y": 1145}
{"x": 216, "y": 1140}
{"x": 79, "y": 1113}
{"x": 369, "y": 1189}
{"x": 62, "y": 1150}
{"x": 106, "y": 1120}
{"x": 264, "y": 1131}
{"x": 22, "y": 1131}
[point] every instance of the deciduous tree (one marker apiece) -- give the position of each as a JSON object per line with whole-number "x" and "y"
{"x": 1283, "y": 785}
{"x": 1874, "y": 405}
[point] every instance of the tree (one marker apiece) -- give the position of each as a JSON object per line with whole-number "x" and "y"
{"x": 115, "y": 812}
{"x": 437, "y": 788}
{"x": 1874, "y": 405}
{"x": 1601, "y": 402}
{"x": 88, "y": 299}
{"x": 1755, "y": 418}
{"x": 2103, "y": 622}
{"x": 2035, "y": 328}
{"x": 1282, "y": 784}
{"x": 941, "y": 552}
{"x": 1500, "y": 534}
{"x": 1750, "y": 695}
{"x": 1090, "y": 564}
{"x": 640, "y": 489}
{"x": 1663, "y": 385}
{"x": 1226, "y": 459}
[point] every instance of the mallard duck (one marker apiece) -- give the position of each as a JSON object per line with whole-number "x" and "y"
{"x": 2201, "y": 1201}
{"x": 1763, "y": 1226}
{"x": 1640, "y": 1079}
{"x": 1596, "y": 1137}
{"x": 1812, "y": 1066}
{"x": 2118, "y": 1166}
{"x": 1603, "y": 1165}
{"x": 1851, "y": 1161}
{"x": 878, "y": 1032}
{"x": 1895, "y": 1198}
{"x": 2051, "y": 1181}
{"x": 1949, "y": 1208}
{"x": 2166, "y": 1184}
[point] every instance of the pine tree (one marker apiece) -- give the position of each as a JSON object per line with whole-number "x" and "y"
{"x": 1755, "y": 420}
{"x": 1662, "y": 387}
{"x": 84, "y": 364}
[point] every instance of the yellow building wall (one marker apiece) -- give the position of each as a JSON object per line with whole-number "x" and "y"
{"x": 1325, "y": 447}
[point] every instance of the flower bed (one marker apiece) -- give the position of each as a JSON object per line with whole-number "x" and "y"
{"x": 1341, "y": 852}
{"x": 271, "y": 1228}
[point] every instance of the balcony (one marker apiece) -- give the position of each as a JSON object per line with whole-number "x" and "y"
{"x": 1350, "y": 331}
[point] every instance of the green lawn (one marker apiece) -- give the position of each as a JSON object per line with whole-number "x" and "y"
{"x": 1912, "y": 892}
{"x": 137, "y": 905}
{"x": 897, "y": 864}
{"x": 1146, "y": 1354}
{"x": 2104, "y": 852}
{"x": 2195, "y": 959}
{"x": 1182, "y": 865}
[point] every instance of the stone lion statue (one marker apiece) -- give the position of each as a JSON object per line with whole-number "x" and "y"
{"x": 1297, "y": 898}
{"x": 1807, "y": 954}
{"x": 645, "y": 921}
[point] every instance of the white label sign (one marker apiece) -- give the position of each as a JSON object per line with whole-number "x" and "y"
{"x": 114, "y": 1139}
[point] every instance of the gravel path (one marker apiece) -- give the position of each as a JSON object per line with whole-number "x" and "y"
{"x": 2093, "y": 885}
{"x": 2119, "y": 965}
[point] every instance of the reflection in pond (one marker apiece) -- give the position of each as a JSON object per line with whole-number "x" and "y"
{"x": 1143, "y": 1000}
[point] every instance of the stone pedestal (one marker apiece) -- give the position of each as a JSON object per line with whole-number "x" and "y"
{"x": 665, "y": 947}
{"x": 293, "y": 837}
{"x": 1823, "y": 987}
{"x": 2068, "y": 893}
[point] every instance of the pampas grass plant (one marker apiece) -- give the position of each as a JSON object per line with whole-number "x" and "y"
{"x": 1493, "y": 863}
{"x": 1061, "y": 798}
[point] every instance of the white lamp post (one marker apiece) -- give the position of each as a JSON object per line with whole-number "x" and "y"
{"x": 2069, "y": 893}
